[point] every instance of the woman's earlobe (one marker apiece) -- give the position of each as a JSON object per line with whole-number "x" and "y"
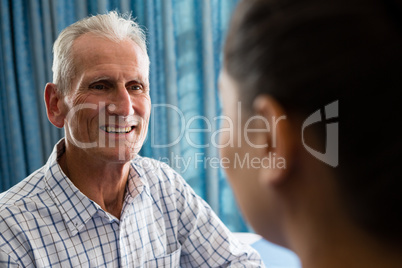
{"x": 281, "y": 139}
{"x": 54, "y": 102}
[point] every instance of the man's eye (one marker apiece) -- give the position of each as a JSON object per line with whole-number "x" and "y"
{"x": 135, "y": 88}
{"x": 98, "y": 87}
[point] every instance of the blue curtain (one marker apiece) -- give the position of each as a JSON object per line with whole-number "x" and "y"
{"x": 184, "y": 44}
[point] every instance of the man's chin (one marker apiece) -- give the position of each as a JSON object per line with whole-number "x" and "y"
{"x": 108, "y": 151}
{"x": 114, "y": 154}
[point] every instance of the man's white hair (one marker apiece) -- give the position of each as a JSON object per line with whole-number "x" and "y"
{"x": 111, "y": 26}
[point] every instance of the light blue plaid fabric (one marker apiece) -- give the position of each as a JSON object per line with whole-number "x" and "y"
{"x": 45, "y": 221}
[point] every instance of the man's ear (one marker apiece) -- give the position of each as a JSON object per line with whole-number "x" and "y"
{"x": 280, "y": 140}
{"x": 54, "y": 105}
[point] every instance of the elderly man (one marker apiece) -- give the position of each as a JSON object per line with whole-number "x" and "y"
{"x": 96, "y": 203}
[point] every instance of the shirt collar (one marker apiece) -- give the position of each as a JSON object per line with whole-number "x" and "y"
{"x": 75, "y": 207}
{"x": 135, "y": 184}
{"x": 140, "y": 166}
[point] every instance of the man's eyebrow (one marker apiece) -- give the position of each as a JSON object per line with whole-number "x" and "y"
{"x": 140, "y": 80}
{"x": 99, "y": 78}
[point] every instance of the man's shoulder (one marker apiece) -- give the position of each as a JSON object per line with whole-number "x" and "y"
{"x": 25, "y": 190}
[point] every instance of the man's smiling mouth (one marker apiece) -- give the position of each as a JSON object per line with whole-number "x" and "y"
{"x": 117, "y": 129}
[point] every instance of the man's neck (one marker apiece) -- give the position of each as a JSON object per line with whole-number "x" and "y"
{"x": 102, "y": 182}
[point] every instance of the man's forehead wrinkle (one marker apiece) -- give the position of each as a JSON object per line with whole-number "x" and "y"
{"x": 83, "y": 58}
{"x": 88, "y": 42}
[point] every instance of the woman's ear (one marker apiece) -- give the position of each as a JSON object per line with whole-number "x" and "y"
{"x": 54, "y": 105}
{"x": 280, "y": 151}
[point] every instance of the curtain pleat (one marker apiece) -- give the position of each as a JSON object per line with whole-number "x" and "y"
{"x": 25, "y": 84}
{"x": 184, "y": 39}
{"x": 40, "y": 75}
{"x": 210, "y": 103}
{"x": 11, "y": 130}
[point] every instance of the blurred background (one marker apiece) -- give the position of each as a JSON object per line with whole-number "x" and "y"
{"x": 185, "y": 40}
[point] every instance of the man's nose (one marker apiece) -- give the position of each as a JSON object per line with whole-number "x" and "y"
{"x": 121, "y": 104}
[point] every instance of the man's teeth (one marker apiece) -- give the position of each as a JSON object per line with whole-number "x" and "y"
{"x": 118, "y": 130}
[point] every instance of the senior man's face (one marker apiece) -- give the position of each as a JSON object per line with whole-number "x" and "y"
{"x": 109, "y": 103}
